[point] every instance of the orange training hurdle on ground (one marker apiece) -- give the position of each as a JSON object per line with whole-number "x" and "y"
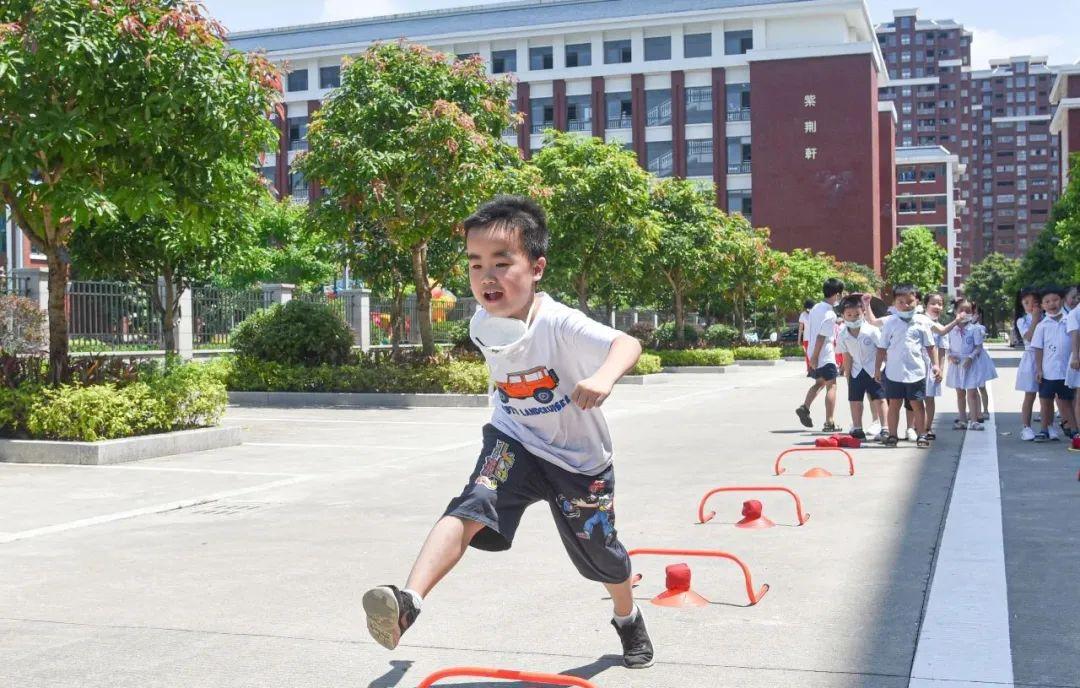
{"x": 753, "y": 596}
{"x": 507, "y": 674}
{"x": 814, "y": 472}
{"x": 705, "y": 518}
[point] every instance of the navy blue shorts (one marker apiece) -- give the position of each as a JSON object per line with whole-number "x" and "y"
{"x": 1049, "y": 389}
{"x": 863, "y": 385}
{"x": 827, "y": 372}
{"x": 908, "y": 391}
{"x": 508, "y": 479}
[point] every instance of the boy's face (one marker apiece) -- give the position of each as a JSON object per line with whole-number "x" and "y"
{"x": 1051, "y": 303}
{"x": 852, "y": 314}
{"x": 905, "y": 302}
{"x": 501, "y": 275}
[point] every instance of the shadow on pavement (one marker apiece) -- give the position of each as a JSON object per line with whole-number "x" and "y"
{"x": 586, "y": 671}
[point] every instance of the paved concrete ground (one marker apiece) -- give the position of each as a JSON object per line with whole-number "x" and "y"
{"x": 245, "y": 566}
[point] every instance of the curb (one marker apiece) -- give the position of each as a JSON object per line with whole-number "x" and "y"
{"x": 651, "y": 379}
{"x": 714, "y": 370}
{"x": 118, "y": 450}
{"x": 357, "y": 400}
{"x": 759, "y": 364}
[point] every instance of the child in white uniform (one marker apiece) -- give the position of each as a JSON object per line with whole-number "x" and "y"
{"x": 1072, "y": 375}
{"x": 1051, "y": 344}
{"x": 1028, "y": 303}
{"x": 965, "y": 344}
{"x": 935, "y": 304}
{"x": 985, "y": 370}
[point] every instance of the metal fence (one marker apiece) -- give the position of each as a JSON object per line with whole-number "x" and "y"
{"x": 443, "y": 312}
{"x": 112, "y": 315}
{"x": 14, "y": 286}
{"x": 216, "y": 311}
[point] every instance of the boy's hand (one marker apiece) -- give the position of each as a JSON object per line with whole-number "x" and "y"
{"x": 877, "y": 375}
{"x": 1038, "y": 377}
{"x": 967, "y": 362}
{"x": 591, "y": 392}
{"x": 1075, "y": 363}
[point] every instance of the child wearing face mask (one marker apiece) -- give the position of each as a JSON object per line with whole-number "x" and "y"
{"x": 965, "y": 345}
{"x": 1052, "y": 346}
{"x": 1029, "y": 314}
{"x": 858, "y": 342}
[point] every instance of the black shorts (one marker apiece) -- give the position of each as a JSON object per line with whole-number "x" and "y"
{"x": 908, "y": 391}
{"x": 863, "y": 385}
{"x": 1050, "y": 389}
{"x": 508, "y": 479}
{"x": 827, "y": 372}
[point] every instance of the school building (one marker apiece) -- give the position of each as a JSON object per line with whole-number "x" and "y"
{"x": 928, "y": 180}
{"x": 1065, "y": 97}
{"x": 774, "y": 102}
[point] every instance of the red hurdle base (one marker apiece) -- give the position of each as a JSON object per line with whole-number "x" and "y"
{"x": 506, "y": 674}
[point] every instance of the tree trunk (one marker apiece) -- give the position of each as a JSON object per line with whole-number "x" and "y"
{"x": 581, "y": 286}
{"x": 680, "y": 318}
{"x": 397, "y": 321}
{"x": 423, "y": 298}
{"x": 168, "y": 314}
{"x": 58, "y": 324}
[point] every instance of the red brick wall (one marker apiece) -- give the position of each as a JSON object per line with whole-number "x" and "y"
{"x": 887, "y": 174}
{"x": 1074, "y": 132}
{"x": 1072, "y": 86}
{"x": 830, "y": 203}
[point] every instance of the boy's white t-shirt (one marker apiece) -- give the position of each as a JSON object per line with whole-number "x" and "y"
{"x": 562, "y": 347}
{"x": 804, "y": 320}
{"x": 822, "y": 321}
{"x": 905, "y": 342}
{"x": 862, "y": 348}
{"x": 1052, "y": 337}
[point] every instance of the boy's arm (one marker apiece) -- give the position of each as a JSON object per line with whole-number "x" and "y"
{"x": 1074, "y": 338}
{"x": 935, "y": 367}
{"x": 946, "y": 329}
{"x": 868, "y": 313}
{"x": 593, "y": 390}
{"x": 1038, "y": 365}
{"x": 818, "y": 343}
{"x": 878, "y": 363}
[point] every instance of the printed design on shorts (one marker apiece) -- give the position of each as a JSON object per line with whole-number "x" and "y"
{"x": 537, "y": 383}
{"x": 497, "y": 466}
{"x": 602, "y": 501}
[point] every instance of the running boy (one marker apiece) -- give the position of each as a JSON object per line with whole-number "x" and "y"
{"x": 858, "y": 341}
{"x": 822, "y": 351}
{"x": 1052, "y": 346}
{"x": 543, "y": 443}
{"x": 901, "y": 350}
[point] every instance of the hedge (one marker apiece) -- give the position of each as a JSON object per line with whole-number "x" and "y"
{"x": 696, "y": 357}
{"x": 648, "y": 364}
{"x": 757, "y": 353}
{"x": 790, "y": 351}
{"x": 245, "y": 374}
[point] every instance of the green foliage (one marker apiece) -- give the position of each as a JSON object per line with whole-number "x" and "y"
{"x": 918, "y": 259}
{"x": 666, "y": 337}
{"x": 721, "y": 335}
{"x": 648, "y": 364}
{"x": 758, "y": 353}
{"x": 792, "y": 351}
{"x": 599, "y": 215}
{"x": 747, "y": 273}
{"x": 696, "y": 357}
{"x": 1043, "y": 264}
{"x": 989, "y": 284}
{"x": 861, "y": 278}
{"x": 644, "y": 332}
{"x": 1054, "y": 258}
{"x": 445, "y": 376}
{"x": 299, "y": 332}
{"x": 801, "y": 275}
{"x": 458, "y": 333}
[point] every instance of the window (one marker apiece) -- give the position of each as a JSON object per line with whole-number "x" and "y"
{"x": 579, "y": 113}
{"x": 542, "y": 111}
{"x": 699, "y": 157}
{"x": 658, "y": 107}
{"x": 297, "y": 80}
{"x": 906, "y": 175}
{"x": 738, "y": 42}
{"x": 699, "y": 105}
{"x": 616, "y": 52}
{"x": 906, "y": 206}
{"x": 740, "y": 202}
{"x": 298, "y": 186}
{"x": 658, "y": 158}
{"x": 503, "y": 61}
{"x": 330, "y": 77}
{"x": 619, "y": 110}
{"x": 738, "y": 102}
{"x": 298, "y": 133}
{"x": 928, "y": 174}
{"x": 466, "y": 56}
{"x": 658, "y": 48}
{"x": 579, "y": 55}
{"x": 738, "y": 155}
{"x": 697, "y": 45}
{"x": 541, "y": 58}
{"x": 929, "y": 206}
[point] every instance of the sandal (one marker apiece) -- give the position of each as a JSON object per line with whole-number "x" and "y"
{"x": 931, "y": 436}
{"x": 923, "y": 442}
{"x": 959, "y": 425}
{"x": 891, "y": 441}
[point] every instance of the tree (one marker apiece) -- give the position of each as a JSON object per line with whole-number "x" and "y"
{"x": 860, "y": 278}
{"x": 122, "y": 108}
{"x": 1065, "y": 225}
{"x": 989, "y": 284}
{"x": 681, "y": 261}
{"x": 1043, "y": 264}
{"x": 410, "y": 144}
{"x": 746, "y": 269}
{"x": 918, "y": 259}
{"x": 598, "y": 213}
{"x": 800, "y": 276}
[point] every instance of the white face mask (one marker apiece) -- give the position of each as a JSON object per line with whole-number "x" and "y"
{"x": 854, "y": 324}
{"x": 905, "y": 315}
{"x": 496, "y": 336}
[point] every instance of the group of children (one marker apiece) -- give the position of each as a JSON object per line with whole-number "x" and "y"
{"x": 898, "y": 361}
{"x": 1050, "y": 366}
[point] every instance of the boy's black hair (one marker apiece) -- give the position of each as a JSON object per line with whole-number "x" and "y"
{"x": 515, "y": 213}
{"x": 832, "y": 287}
{"x": 904, "y": 290}
{"x": 1052, "y": 289}
{"x": 851, "y": 301}
{"x": 807, "y": 304}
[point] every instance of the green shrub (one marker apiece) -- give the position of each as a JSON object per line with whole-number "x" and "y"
{"x": 696, "y": 357}
{"x": 644, "y": 332}
{"x": 87, "y": 414}
{"x": 648, "y": 364}
{"x": 15, "y": 403}
{"x": 721, "y": 335}
{"x": 665, "y": 336}
{"x": 299, "y": 332}
{"x": 447, "y": 376}
{"x": 792, "y": 350}
{"x": 457, "y": 331}
{"x": 193, "y": 395}
{"x": 757, "y": 353}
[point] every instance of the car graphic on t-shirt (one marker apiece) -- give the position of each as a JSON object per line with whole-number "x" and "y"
{"x": 538, "y": 383}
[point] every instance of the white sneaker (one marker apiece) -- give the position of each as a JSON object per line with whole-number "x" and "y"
{"x": 1027, "y": 434}
{"x": 1055, "y": 434}
{"x": 911, "y": 435}
{"x": 976, "y": 425}
{"x": 874, "y": 429}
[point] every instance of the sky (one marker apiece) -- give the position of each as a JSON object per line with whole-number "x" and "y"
{"x": 1002, "y": 28}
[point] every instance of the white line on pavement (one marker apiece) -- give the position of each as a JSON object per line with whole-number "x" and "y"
{"x": 964, "y": 638}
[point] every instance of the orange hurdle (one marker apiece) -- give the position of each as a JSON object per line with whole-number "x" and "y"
{"x": 507, "y": 674}
{"x": 754, "y": 597}
{"x": 815, "y": 472}
{"x": 705, "y": 518}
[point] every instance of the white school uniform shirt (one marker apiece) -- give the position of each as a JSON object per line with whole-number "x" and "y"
{"x": 905, "y": 342}
{"x": 861, "y": 348}
{"x": 1022, "y": 325}
{"x": 1052, "y": 337}
{"x": 822, "y": 321}
{"x": 562, "y": 347}
{"x": 804, "y": 320}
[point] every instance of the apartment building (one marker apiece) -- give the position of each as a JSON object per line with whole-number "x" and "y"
{"x": 1065, "y": 98}
{"x": 775, "y": 103}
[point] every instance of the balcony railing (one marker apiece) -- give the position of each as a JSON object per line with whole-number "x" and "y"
{"x": 298, "y": 145}
{"x": 623, "y": 122}
{"x": 539, "y": 127}
{"x": 579, "y": 125}
{"x": 738, "y": 115}
{"x": 740, "y": 167}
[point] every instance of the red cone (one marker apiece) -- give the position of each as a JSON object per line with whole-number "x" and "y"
{"x": 752, "y": 516}
{"x": 678, "y": 593}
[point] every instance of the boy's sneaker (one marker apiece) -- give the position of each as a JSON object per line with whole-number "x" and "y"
{"x": 976, "y": 425}
{"x": 883, "y": 435}
{"x": 1027, "y": 434}
{"x": 1054, "y": 434}
{"x": 1043, "y": 436}
{"x": 637, "y": 649}
{"x": 390, "y": 612}
{"x": 874, "y": 429}
{"x": 830, "y": 427}
{"x": 911, "y": 435}
{"x": 804, "y": 416}
{"x": 858, "y": 434}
